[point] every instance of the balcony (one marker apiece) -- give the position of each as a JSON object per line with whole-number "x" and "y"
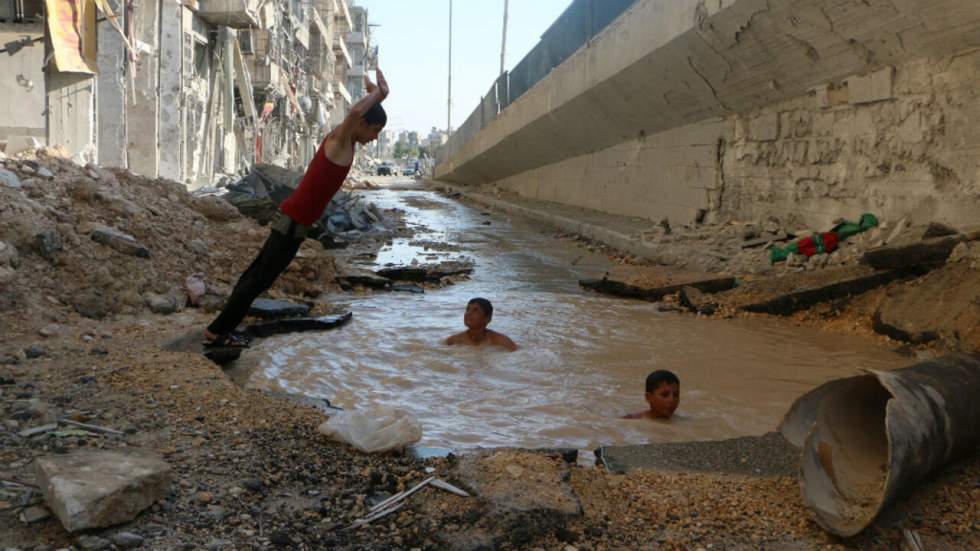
{"x": 344, "y": 21}
{"x": 356, "y": 38}
{"x": 238, "y": 14}
{"x": 261, "y": 42}
{"x": 302, "y": 35}
{"x": 321, "y": 28}
{"x": 341, "y": 93}
{"x": 340, "y": 47}
{"x": 264, "y": 76}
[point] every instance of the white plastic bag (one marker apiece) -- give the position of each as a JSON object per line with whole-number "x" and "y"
{"x": 376, "y": 429}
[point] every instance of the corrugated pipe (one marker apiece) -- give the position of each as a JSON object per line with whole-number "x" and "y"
{"x": 867, "y": 438}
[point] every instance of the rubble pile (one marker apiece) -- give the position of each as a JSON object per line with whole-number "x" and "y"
{"x": 98, "y": 242}
{"x": 347, "y": 217}
{"x": 743, "y": 248}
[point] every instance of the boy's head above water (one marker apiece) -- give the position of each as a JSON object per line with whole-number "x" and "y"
{"x": 478, "y": 314}
{"x": 663, "y": 393}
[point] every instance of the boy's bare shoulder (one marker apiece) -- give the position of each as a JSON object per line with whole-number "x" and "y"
{"x": 458, "y": 338}
{"x": 502, "y": 340}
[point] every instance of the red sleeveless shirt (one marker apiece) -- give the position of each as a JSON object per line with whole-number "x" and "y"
{"x": 323, "y": 178}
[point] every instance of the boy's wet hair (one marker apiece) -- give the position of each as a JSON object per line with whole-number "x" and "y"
{"x": 659, "y": 377}
{"x": 484, "y": 305}
{"x": 376, "y": 115}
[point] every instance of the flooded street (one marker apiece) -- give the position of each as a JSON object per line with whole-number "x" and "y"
{"x": 583, "y": 356}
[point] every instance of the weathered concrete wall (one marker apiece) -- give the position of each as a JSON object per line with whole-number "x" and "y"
{"x": 143, "y": 103}
{"x": 171, "y": 82}
{"x": 674, "y": 174}
{"x": 22, "y": 87}
{"x": 111, "y": 97}
{"x": 911, "y": 148}
{"x": 670, "y": 64}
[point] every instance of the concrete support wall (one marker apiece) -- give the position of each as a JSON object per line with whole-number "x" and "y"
{"x": 143, "y": 106}
{"x": 667, "y": 66}
{"x": 675, "y": 174}
{"x": 111, "y": 97}
{"x": 22, "y": 87}
{"x": 172, "y": 119}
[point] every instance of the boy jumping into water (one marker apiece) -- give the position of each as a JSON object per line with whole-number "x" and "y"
{"x": 663, "y": 393}
{"x": 302, "y": 209}
{"x": 478, "y": 314}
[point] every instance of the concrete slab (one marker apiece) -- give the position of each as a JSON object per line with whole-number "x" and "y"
{"x": 784, "y": 295}
{"x": 272, "y": 308}
{"x": 655, "y": 283}
{"x": 767, "y": 455}
{"x": 298, "y": 325}
{"x": 928, "y": 252}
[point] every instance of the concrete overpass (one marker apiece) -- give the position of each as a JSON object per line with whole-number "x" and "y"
{"x": 694, "y": 109}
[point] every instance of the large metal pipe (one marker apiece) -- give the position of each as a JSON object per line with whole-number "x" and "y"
{"x": 866, "y": 438}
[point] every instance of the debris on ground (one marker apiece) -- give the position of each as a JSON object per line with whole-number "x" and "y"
{"x": 347, "y": 217}
{"x": 102, "y": 488}
{"x": 100, "y": 243}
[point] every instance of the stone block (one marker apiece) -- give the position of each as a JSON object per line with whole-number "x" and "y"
{"x": 871, "y": 88}
{"x": 9, "y": 179}
{"x": 821, "y": 96}
{"x": 98, "y": 489}
{"x": 764, "y": 128}
{"x": 119, "y": 241}
{"x": 271, "y": 308}
{"x": 519, "y": 482}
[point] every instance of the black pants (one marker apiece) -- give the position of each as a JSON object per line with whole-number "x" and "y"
{"x": 278, "y": 251}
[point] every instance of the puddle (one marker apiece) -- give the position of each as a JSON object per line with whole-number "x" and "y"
{"x": 583, "y": 360}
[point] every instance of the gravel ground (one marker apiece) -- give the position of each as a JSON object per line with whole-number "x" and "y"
{"x": 251, "y": 471}
{"x": 767, "y": 455}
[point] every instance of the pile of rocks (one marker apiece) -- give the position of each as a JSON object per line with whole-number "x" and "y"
{"x": 95, "y": 242}
{"x": 347, "y": 217}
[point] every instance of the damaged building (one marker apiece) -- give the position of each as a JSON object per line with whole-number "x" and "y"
{"x": 190, "y": 90}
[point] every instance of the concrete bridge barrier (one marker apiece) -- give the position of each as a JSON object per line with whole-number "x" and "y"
{"x": 697, "y": 109}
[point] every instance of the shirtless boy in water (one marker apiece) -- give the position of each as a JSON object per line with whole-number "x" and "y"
{"x": 478, "y": 314}
{"x": 663, "y": 393}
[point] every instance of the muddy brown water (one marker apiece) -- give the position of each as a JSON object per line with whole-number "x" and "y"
{"x": 583, "y": 356}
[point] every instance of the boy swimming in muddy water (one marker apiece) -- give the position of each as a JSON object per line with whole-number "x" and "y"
{"x": 299, "y": 211}
{"x": 663, "y": 393}
{"x": 478, "y": 314}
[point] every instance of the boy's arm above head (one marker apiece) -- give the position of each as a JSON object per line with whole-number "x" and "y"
{"x": 339, "y": 140}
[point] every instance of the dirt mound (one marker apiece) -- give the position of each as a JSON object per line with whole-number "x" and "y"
{"x": 100, "y": 242}
{"x": 943, "y": 305}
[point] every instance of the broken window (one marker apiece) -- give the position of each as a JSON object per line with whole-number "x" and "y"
{"x": 20, "y": 11}
{"x": 201, "y": 64}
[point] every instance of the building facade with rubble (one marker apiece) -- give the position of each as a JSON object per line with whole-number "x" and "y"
{"x": 189, "y": 90}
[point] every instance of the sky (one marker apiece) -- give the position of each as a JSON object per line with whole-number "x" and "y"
{"x": 413, "y": 40}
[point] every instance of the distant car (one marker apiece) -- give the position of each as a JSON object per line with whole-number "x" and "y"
{"x": 384, "y": 170}
{"x": 408, "y": 171}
